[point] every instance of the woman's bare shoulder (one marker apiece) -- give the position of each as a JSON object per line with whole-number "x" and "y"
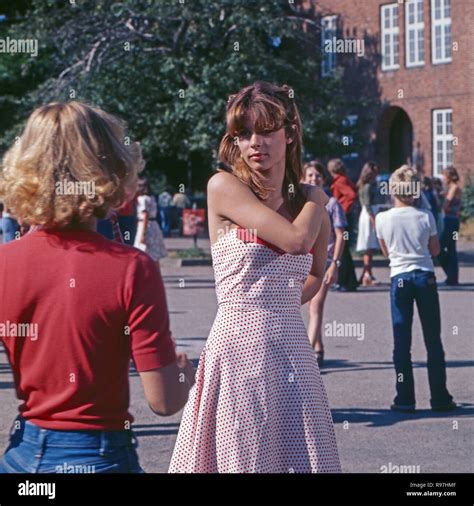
{"x": 221, "y": 180}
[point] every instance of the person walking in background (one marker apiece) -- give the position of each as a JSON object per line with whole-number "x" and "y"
{"x": 408, "y": 236}
{"x": 164, "y": 203}
{"x": 104, "y": 299}
{"x": 366, "y": 238}
{"x": 127, "y": 221}
{"x": 315, "y": 174}
{"x": 448, "y": 256}
{"x": 429, "y": 193}
{"x": 149, "y": 237}
{"x": 10, "y": 227}
{"x": 418, "y": 162}
{"x": 345, "y": 192}
{"x": 180, "y": 201}
{"x": 439, "y": 196}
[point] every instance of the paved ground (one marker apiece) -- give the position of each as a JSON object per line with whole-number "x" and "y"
{"x": 359, "y": 377}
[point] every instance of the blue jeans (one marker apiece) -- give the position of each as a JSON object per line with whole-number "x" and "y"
{"x": 420, "y": 287}
{"x": 36, "y": 450}
{"x": 104, "y": 227}
{"x": 165, "y": 220}
{"x": 448, "y": 257}
{"x": 9, "y": 228}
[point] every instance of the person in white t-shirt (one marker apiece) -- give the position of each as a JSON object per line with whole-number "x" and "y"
{"x": 407, "y": 235}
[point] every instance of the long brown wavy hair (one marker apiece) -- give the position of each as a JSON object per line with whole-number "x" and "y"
{"x": 268, "y": 107}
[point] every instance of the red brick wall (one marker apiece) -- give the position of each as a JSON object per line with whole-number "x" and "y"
{"x": 424, "y": 88}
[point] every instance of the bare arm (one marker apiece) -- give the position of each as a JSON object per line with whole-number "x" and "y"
{"x": 320, "y": 254}
{"x": 166, "y": 389}
{"x": 229, "y": 198}
{"x": 433, "y": 246}
{"x": 383, "y": 247}
{"x": 339, "y": 246}
{"x": 145, "y": 225}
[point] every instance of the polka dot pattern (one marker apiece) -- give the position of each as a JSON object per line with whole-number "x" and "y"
{"x": 258, "y": 404}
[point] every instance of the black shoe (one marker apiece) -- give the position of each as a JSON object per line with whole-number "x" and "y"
{"x": 347, "y": 289}
{"x": 450, "y": 406}
{"x": 449, "y": 283}
{"x": 320, "y": 358}
{"x": 404, "y": 408}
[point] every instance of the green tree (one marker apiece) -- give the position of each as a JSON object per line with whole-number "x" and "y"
{"x": 167, "y": 67}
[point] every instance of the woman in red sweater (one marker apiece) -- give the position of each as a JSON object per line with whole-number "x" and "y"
{"x": 345, "y": 191}
{"x": 74, "y": 306}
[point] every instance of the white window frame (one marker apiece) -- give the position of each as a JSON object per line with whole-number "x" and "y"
{"x": 417, "y": 28}
{"x": 444, "y": 24}
{"x": 393, "y": 33}
{"x": 445, "y": 137}
{"x": 328, "y": 31}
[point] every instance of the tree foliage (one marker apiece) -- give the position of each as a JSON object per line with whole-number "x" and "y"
{"x": 167, "y": 67}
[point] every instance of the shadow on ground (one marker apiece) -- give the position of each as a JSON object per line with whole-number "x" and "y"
{"x": 334, "y": 365}
{"x": 155, "y": 429}
{"x": 386, "y": 417}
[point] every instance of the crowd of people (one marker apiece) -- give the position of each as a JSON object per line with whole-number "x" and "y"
{"x": 145, "y": 220}
{"x": 256, "y": 402}
{"x": 429, "y": 194}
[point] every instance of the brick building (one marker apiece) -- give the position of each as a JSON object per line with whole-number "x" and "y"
{"x": 417, "y": 68}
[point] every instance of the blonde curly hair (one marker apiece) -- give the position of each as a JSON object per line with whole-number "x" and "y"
{"x": 405, "y": 185}
{"x": 69, "y": 143}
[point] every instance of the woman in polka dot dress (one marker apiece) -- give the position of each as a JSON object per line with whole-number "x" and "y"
{"x": 259, "y": 404}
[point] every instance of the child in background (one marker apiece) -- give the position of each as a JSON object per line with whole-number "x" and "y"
{"x": 407, "y": 235}
{"x": 315, "y": 174}
{"x": 149, "y": 237}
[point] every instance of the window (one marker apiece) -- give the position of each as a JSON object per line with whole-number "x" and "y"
{"x": 441, "y": 31}
{"x": 328, "y": 33}
{"x": 414, "y": 33}
{"x": 390, "y": 33}
{"x": 442, "y": 140}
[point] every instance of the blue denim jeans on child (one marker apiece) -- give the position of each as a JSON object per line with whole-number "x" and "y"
{"x": 406, "y": 288}
{"x": 36, "y": 450}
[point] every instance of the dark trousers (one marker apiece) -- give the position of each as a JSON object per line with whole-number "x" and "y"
{"x": 420, "y": 287}
{"x": 347, "y": 277}
{"x": 104, "y": 227}
{"x": 448, "y": 257}
{"x": 128, "y": 227}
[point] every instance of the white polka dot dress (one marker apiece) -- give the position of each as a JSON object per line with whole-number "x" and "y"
{"x": 258, "y": 404}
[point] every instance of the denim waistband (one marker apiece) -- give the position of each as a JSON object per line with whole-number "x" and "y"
{"x": 34, "y": 434}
